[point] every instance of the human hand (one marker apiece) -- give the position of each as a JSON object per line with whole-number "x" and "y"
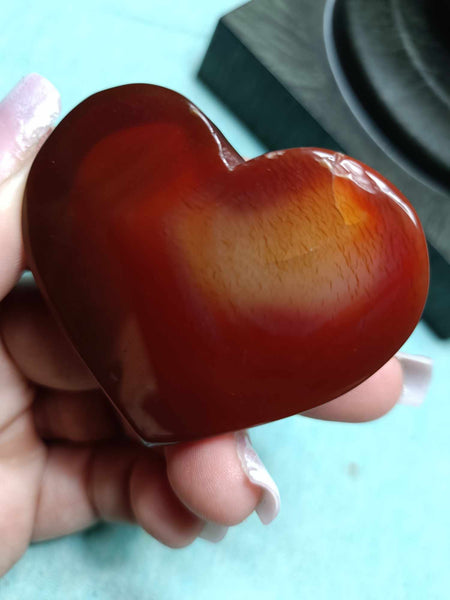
{"x": 66, "y": 458}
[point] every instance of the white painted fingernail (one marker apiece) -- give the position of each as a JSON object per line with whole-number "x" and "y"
{"x": 416, "y": 378}
{"x": 213, "y": 532}
{"x": 27, "y": 115}
{"x": 269, "y": 505}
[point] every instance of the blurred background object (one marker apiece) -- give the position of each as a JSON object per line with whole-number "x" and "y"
{"x": 368, "y": 78}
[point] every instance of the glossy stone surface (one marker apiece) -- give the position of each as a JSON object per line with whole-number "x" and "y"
{"x": 206, "y": 293}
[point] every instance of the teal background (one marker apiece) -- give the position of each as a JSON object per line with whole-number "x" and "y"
{"x": 365, "y": 509}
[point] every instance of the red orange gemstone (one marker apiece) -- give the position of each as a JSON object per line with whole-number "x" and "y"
{"x": 207, "y": 293}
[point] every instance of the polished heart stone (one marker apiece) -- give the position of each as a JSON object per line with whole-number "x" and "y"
{"x": 207, "y": 293}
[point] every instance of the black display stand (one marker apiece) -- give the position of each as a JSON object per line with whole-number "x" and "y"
{"x": 368, "y": 77}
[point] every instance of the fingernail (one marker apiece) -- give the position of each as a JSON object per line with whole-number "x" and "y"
{"x": 416, "y": 378}
{"x": 269, "y": 505}
{"x": 213, "y": 532}
{"x": 27, "y": 114}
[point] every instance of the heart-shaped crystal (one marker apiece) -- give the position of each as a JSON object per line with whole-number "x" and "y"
{"x": 207, "y": 293}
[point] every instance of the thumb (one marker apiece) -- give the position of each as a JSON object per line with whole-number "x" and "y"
{"x": 27, "y": 114}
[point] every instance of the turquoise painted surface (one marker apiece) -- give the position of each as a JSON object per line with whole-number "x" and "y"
{"x": 366, "y": 509}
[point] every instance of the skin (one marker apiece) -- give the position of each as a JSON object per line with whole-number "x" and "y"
{"x": 67, "y": 460}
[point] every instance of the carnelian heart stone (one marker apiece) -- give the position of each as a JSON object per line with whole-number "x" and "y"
{"x": 207, "y": 293}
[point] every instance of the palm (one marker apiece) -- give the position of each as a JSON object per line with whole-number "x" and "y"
{"x": 22, "y": 461}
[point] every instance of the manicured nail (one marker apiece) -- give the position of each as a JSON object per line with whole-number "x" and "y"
{"x": 27, "y": 115}
{"x": 416, "y": 378}
{"x": 269, "y": 505}
{"x": 213, "y": 532}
